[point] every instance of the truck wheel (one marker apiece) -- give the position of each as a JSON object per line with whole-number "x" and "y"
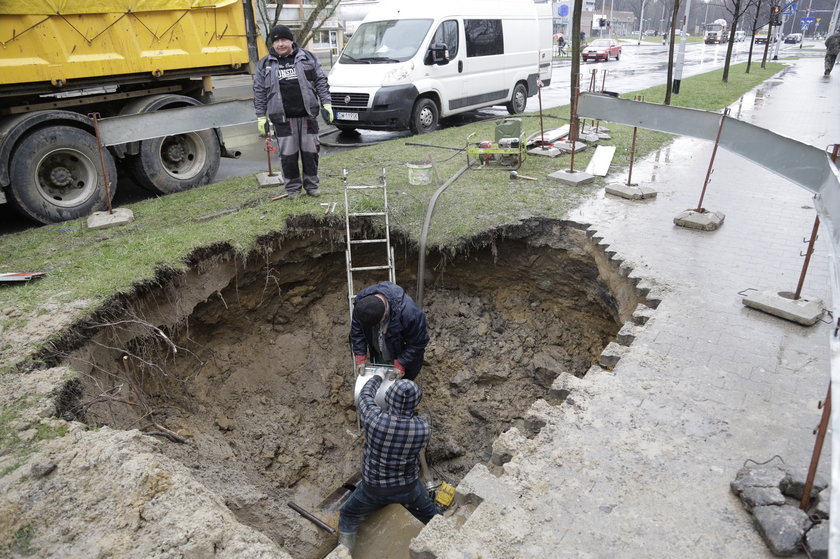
{"x": 424, "y": 116}
{"x": 176, "y": 163}
{"x": 56, "y": 175}
{"x": 518, "y": 100}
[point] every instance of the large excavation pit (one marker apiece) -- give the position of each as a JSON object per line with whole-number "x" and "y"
{"x": 244, "y": 369}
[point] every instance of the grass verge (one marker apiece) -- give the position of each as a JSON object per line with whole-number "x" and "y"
{"x": 84, "y": 267}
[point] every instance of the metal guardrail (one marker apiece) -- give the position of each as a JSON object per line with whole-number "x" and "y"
{"x": 804, "y": 165}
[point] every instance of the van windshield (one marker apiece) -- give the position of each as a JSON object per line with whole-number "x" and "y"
{"x": 382, "y": 42}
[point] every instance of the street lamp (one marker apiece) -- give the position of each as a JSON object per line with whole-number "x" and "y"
{"x": 706, "y": 15}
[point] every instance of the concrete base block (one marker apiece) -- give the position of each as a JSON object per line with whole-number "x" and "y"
{"x": 635, "y": 192}
{"x": 572, "y": 178}
{"x": 703, "y": 220}
{"x": 604, "y": 136}
{"x": 104, "y": 220}
{"x": 546, "y": 151}
{"x": 805, "y": 310}
{"x": 266, "y": 181}
{"x": 589, "y": 137}
{"x": 566, "y": 146}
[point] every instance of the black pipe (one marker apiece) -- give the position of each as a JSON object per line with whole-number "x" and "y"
{"x": 312, "y": 518}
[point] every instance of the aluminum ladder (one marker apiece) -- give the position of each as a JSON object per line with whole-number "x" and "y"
{"x": 358, "y": 193}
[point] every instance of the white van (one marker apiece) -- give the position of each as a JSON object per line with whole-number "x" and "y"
{"x": 411, "y": 63}
{"x": 740, "y": 36}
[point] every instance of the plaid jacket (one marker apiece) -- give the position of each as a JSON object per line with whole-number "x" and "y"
{"x": 394, "y": 437}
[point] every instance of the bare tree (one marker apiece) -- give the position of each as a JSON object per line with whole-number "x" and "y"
{"x": 319, "y": 10}
{"x": 737, "y": 9}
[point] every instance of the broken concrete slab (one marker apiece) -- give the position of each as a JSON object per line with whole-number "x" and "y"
{"x": 704, "y": 220}
{"x": 550, "y": 136}
{"x": 572, "y": 178}
{"x": 631, "y": 192}
{"x": 783, "y": 528}
{"x": 806, "y": 311}
{"x": 266, "y": 179}
{"x": 545, "y": 151}
{"x": 387, "y": 533}
{"x": 817, "y": 541}
{"x": 599, "y": 165}
{"x": 104, "y": 220}
{"x": 566, "y": 146}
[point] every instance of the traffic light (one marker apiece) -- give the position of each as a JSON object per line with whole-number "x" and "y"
{"x": 602, "y": 22}
{"x": 775, "y": 15}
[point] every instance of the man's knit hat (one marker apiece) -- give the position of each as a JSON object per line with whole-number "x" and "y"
{"x": 369, "y": 310}
{"x": 280, "y": 32}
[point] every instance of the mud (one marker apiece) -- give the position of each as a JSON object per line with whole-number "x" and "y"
{"x": 244, "y": 368}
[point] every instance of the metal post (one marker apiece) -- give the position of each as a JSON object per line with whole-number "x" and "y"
{"x": 807, "y": 258}
{"x": 633, "y": 151}
{"x": 712, "y": 160}
{"x": 815, "y": 455}
{"x": 573, "y": 132}
{"x": 542, "y": 130}
{"x": 268, "y": 149}
{"x": 101, "y": 149}
{"x": 641, "y": 22}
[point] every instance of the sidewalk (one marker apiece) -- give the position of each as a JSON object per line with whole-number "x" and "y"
{"x": 638, "y": 461}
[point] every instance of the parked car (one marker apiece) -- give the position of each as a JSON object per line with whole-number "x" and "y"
{"x": 650, "y": 33}
{"x": 793, "y": 38}
{"x": 602, "y": 49}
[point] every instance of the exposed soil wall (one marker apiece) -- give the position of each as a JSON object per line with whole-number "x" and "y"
{"x": 247, "y": 364}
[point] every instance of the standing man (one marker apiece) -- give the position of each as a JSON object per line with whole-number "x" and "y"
{"x": 289, "y": 89}
{"x": 388, "y": 325}
{"x": 394, "y": 439}
{"x": 832, "y": 49}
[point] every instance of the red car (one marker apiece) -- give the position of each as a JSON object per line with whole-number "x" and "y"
{"x": 602, "y": 49}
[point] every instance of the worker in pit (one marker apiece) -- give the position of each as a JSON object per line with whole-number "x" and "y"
{"x": 394, "y": 439}
{"x": 832, "y": 49}
{"x": 289, "y": 90}
{"x": 388, "y": 328}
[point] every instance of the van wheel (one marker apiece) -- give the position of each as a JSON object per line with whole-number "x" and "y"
{"x": 518, "y": 100}
{"x": 424, "y": 116}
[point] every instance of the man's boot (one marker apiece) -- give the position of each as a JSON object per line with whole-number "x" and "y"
{"x": 348, "y": 540}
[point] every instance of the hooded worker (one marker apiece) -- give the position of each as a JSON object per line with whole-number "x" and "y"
{"x": 832, "y": 49}
{"x": 289, "y": 90}
{"x": 389, "y": 327}
{"x": 394, "y": 439}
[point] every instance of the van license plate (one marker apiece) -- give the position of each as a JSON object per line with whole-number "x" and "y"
{"x": 347, "y": 116}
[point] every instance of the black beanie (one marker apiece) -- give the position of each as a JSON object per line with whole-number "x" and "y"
{"x": 280, "y": 32}
{"x": 369, "y": 310}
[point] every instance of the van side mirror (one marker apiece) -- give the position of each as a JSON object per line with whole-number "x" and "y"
{"x": 438, "y": 54}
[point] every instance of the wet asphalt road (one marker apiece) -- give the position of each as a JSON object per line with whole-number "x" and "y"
{"x": 640, "y": 67}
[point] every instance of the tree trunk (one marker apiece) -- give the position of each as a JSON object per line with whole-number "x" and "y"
{"x": 670, "y": 79}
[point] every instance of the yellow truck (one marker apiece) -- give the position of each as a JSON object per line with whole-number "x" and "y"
{"x": 65, "y": 64}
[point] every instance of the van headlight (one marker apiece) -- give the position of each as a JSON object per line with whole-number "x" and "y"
{"x": 399, "y": 74}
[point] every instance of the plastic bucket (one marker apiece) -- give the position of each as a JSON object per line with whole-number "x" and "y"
{"x": 419, "y": 173}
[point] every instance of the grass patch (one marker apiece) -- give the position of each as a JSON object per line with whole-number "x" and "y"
{"x": 87, "y": 266}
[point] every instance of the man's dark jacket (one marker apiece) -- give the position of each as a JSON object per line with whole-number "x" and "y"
{"x": 406, "y": 337}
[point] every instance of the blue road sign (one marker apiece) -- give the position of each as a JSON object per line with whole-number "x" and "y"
{"x": 807, "y": 20}
{"x": 789, "y": 9}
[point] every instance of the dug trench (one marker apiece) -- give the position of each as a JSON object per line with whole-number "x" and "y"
{"x": 243, "y": 367}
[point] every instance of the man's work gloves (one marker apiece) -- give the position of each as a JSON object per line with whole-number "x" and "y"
{"x": 262, "y": 125}
{"x": 327, "y": 113}
{"x": 399, "y": 367}
{"x": 360, "y": 364}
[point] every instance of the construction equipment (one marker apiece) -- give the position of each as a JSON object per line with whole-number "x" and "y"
{"x": 380, "y": 214}
{"x": 507, "y": 152}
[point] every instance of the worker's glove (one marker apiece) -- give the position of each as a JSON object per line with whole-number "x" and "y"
{"x": 399, "y": 368}
{"x": 262, "y": 125}
{"x": 360, "y": 364}
{"x": 327, "y": 113}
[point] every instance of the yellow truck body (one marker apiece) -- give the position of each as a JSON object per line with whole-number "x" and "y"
{"x": 59, "y": 41}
